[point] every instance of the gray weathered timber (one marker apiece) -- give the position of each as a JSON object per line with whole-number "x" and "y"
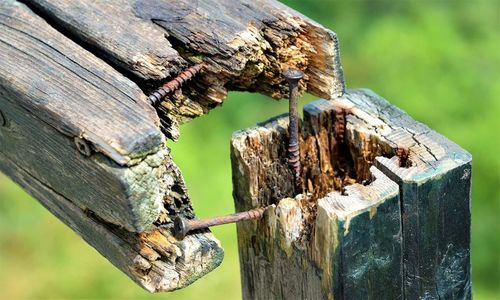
{"x": 125, "y": 196}
{"x": 155, "y": 260}
{"x": 244, "y": 45}
{"x": 135, "y": 45}
{"x": 72, "y": 90}
{"x": 353, "y": 134}
{"x": 321, "y": 244}
{"x": 53, "y": 92}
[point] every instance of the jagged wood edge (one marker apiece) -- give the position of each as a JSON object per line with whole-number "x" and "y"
{"x": 243, "y": 44}
{"x": 340, "y": 257}
{"x": 87, "y": 193}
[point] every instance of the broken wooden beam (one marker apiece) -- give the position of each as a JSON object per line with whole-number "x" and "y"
{"x": 244, "y": 45}
{"x": 117, "y": 182}
{"x": 384, "y": 212}
{"x": 77, "y": 130}
{"x": 435, "y": 191}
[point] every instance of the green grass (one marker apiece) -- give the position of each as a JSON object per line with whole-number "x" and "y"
{"x": 437, "y": 60}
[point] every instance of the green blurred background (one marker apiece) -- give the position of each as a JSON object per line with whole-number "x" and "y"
{"x": 437, "y": 60}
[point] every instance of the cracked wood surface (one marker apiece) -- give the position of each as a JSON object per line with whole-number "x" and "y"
{"x": 70, "y": 71}
{"x": 155, "y": 260}
{"x": 343, "y": 144}
{"x": 332, "y": 241}
{"x": 71, "y": 89}
{"x": 51, "y": 91}
{"x": 244, "y": 45}
{"x": 342, "y": 258}
{"x": 435, "y": 197}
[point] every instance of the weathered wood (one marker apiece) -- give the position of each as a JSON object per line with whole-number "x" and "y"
{"x": 80, "y": 135}
{"x": 155, "y": 260}
{"x": 341, "y": 139}
{"x": 52, "y": 77}
{"x": 435, "y": 197}
{"x": 110, "y": 27}
{"x": 244, "y": 44}
{"x": 322, "y": 244}
{"x": 52, "y": 92}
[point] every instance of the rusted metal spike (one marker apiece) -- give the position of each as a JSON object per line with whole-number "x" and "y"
{"x": 174, "y": 84}
{"x": 182, "y": 225}
{"x": 293, "y": 77}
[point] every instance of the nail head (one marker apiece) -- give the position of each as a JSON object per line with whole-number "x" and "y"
{"x": 180, "y": 228}
{"x": 293, "y": 74}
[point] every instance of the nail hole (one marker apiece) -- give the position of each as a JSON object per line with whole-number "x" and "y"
{"x": 82, "y": 146}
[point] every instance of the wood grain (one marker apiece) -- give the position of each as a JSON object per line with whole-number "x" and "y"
{"x": 435, "y": 196}
{"x": 243, "y": 44}
{"x": 156, "y": 261}
{"x": 72, "y": 90}
{"x": 332, "y": 241}
{"x": 344, "y": 143}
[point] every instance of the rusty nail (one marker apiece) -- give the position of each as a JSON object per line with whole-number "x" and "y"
{"x": 174, "y": 84}
{"x": 182, "y": 225}
{"x": 293, "y": 77}
{"x": 82, "y": 146}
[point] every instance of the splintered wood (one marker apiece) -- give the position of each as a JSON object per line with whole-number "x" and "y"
{"x": 384, "y": 209}
{"x": 78, "y": 132}
{"x": 243, "y": 44}
{"x": 376, "y": 187}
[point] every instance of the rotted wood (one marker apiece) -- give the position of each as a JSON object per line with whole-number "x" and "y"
{"x": 336, "y": 238}
{"x": 82, "y": 139}
{"x": 243, "y": 45}
{"x": 155, "y": 260}
{"x": 384, "y": 208}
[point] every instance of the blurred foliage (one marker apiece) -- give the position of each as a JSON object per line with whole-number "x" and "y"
{"x": 437, "y": 60}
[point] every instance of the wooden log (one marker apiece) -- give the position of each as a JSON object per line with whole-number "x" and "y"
{"x": 345, "y": 143}
{"x": 118, "y": 179}
{"x": 244, "y": 45}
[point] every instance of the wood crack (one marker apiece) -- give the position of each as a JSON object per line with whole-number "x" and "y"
{"x": 245, "y": 52}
